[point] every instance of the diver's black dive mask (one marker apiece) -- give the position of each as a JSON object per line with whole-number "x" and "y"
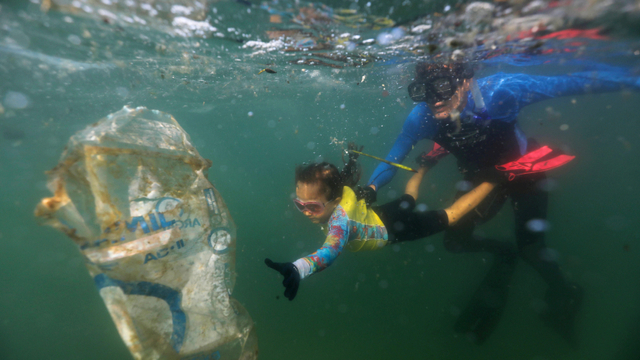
{"x": 433, "y": 90}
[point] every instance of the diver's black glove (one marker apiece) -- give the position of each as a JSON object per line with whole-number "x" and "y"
{"x": 291, "y": 277}
{"x": 367, "y": 193}
{"x": 431, "y": 158}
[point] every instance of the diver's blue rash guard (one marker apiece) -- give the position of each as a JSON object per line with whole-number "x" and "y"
{"x": 504, "y": 95}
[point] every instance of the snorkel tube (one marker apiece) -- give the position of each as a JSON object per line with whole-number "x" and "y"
{"x": 480, "y": 108}
{"x": 477, "y": 96}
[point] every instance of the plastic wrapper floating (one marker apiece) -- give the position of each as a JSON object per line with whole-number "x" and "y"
{"x": 132, "y": 192}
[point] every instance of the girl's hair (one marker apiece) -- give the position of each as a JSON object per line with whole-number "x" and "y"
{"x": 331, "y": 180}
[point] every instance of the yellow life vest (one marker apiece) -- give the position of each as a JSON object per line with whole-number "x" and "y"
{"x": 366, "y": 230}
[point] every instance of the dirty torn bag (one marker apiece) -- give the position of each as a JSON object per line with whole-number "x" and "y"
{"x": 132, "y": 192}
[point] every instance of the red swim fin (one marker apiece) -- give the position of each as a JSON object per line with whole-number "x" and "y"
{"x": 535, "y": 154}
{"x": 552, "y": 163}
{"x": 532, "y": 162}
{"x": 438, "y": 152}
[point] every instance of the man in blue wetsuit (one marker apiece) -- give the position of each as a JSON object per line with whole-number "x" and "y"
{"x": 476, "y": 121}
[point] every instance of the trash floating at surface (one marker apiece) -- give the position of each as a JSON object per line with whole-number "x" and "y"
{"x": 132, "y": 192}
{"x": 267, "y": 70}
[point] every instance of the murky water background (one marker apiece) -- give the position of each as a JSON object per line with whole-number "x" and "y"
{"x": 66, "y": 67}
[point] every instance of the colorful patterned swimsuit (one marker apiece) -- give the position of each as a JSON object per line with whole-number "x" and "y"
{"x": 352, "y": 225}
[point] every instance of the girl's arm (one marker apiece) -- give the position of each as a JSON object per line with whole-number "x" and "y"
{"x": 337, "y": 238}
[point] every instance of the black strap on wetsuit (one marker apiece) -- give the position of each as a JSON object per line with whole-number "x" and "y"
{"x": 479, "y": 145}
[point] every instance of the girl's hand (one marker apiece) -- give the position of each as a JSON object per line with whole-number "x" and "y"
{"x": 291, "y": 277}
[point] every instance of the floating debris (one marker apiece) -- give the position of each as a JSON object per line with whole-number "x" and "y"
{"x": 267, "y": 70}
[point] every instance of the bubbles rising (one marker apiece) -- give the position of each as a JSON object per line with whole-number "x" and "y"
{"x": 538, "y": 225}
{"x": 16, "y": 100}
{"x": 464, "y": 185}
{"x": 74, "y": 39}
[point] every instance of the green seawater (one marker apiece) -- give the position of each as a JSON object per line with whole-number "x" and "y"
{"x": 396, "y": 303}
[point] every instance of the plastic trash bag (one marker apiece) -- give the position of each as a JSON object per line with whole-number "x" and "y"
{"x": 132, "y": 192}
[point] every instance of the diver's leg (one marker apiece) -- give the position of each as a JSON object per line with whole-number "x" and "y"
{"x": 530, "y": 204}
{"x": 460, "y": 238}
{"x": 480, "y": 317}
{"x": 563, "y": 298}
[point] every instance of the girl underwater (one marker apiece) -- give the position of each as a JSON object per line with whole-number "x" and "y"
{"x": 330, "y": 197}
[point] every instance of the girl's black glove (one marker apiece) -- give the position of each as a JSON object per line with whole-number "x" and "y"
{"x": 291, "y": 277}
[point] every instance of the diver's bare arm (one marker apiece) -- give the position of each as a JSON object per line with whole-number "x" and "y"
{"x": 413, "y": 185}
{"x": 468, "y": 202}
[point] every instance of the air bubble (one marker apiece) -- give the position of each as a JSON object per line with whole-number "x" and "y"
{"x": 374, "y": 130}
{"x": 384, "y": 38}
{"x": 547, "y": 185}
{"x": 250, "y": 114}
{"x": 464, "y": 185}
{"x": 549, "y": 255}
{"x": 422, "y": 207}
{"x": 398, "y": 226}
{"x": 16, "y": 100}
{"x": 397, "y": 33}
{"x": 538, "y": 225}
{"x": 74, "y": 39}
{"x": 122, "y": 91}
{"x": 311, "y": 145}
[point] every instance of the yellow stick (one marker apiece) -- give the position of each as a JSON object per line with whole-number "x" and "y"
{"x": 385, "y": 161}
